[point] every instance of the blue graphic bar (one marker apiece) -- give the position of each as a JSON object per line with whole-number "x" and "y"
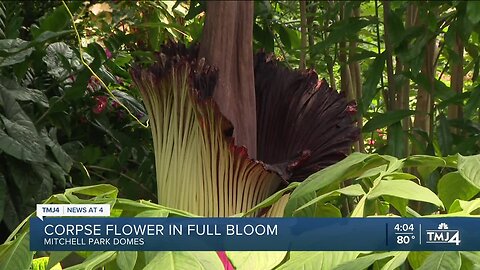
{"x": 254, "y": 234}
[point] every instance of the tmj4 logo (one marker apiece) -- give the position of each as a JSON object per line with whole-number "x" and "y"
{"x": 443, "y": 235}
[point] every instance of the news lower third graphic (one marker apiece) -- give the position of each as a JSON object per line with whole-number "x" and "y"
{"x": 89, "y": 227}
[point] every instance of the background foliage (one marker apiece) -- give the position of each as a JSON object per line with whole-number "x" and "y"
{"x": 412, "y": 68}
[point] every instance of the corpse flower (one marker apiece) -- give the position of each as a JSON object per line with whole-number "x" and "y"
{"x": 303, "y": 126}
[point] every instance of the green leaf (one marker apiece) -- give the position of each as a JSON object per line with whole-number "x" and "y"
{"x": 306, "y": 211}
{"x": 473, "y": 103}
{"x": 365, "y": 261}
{"x": 168, "y": 260}
{"x": 399, "y": 203}
{"x": 284, "y": 36}
{"x": 473, "y": 11}
{"x": 359, "y": 210}
{"x": 444, "y": 135}
{"x": 417, "y": 258}
{"x": 465, "y": 207}
{"x": 61, "y": 60}
{"x": 56, "y": 20}
{"x": 20, "y": 138}
{"x": 373, "y": 172}
{"x": 352, "y": 166}
{"x": 12, "y": 46}
{"x": 154, "y": 213}
{"x": 264, "y": 36}
{"x": 130, "y": 102}
{"x": 396, "y": 143}
{"x": 126, "y": 260}
{"x": 341, "y": 31}
{"x": 246, "y": 260}
{"x": 453, "y": 186}
{"x": 133, "y": 208}
{"x": 21, "y": 93}
{"x": 272, "y": 199}
{"x": 470, "y": 259}
{"x": 312, "y": 260}
{"x": 395, "y": 28}
{"x": 56, "y": 257}
{"x": 424, "y": 160}
{"x": 444, "y": 260}
{"x": 327, "y": 210}
{"x": 60, "y": 155}
{"x": 103, "y": 191}
{"x": 373, "y": 75}
{"x": 397, "y": 261}
{"x": 352, "y": 190}
{"x": 386, "y": 119}
{"x": 18, "y": 254}
{"x": 404, "y": 189}
{"x": 95, "y": 261}
{"x": 469, "y": 168}
{"x": 15, "y": 58}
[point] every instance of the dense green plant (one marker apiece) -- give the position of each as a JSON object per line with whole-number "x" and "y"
{"x": 60, "y": 126}
{"x": 375, "y": 190}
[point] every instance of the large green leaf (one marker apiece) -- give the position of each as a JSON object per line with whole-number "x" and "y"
{"x": 424, "y": 160}
{"x": 246, "y": 260}
{"x": 465, "y": 207}
{"x": 50, "y": 139}
{"x": 397, "y": 261}
{"x": 327, "y": 210}
{"x": 396, "y": 142}
{"x": 12, "y": 46}
{"x": 183, "y": 260}
{"x": 365, "y": 261}
{"x": 272, "y": 199}
{"x": 18, "y": 135}
{"x": 126, "y": 260}
{"x": 342, "y": 30}
{"x": 313, "y": 260}
{"x": 473, "y": 103}
{"x": 386, "y": 119}
{"x": 95, "y": 261}
{"x": 61, "y": 60}
{"x": 56, "y": 257}
{"x": 18, "y": 254}
{"x": 130, "y": 102}
{"x": 21, "y": 93}
{"x": 453, "y": 186}
{"x": 473, "y": 11}
{"x": 470, "y": 260}
{"x": 404, "y": 189}
{"x": 443, "y": 260}
{"x": 469, "y": 168}
{"x": 444, "y": 135}
{"x": 373, "y": 75}
{"x": 352, "y": 190}
{"x": 55, "y": 21}
{"x": 417, "y": 258}
{"x": 15, "y": 58}
{"x": 350, "y": 167}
